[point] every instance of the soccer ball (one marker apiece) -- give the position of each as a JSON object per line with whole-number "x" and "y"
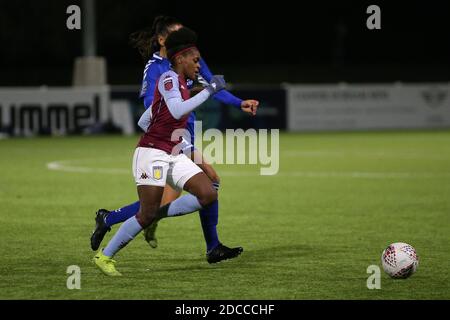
{"x": 399, "y": 260}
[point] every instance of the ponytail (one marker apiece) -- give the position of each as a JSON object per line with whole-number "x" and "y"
{"x": 142, "y": 41}
{"x": 146, "y": 40}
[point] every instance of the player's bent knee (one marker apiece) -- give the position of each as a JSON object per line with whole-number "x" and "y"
{"x": 215, "y": 178}
{"x": 210, "y": 172}
{"x": 146, "y": 216}
{"x": 208, "y": 197}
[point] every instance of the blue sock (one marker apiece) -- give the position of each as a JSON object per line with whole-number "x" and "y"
{"x": 122, "y": 214}
{"x": 209, "y": 218}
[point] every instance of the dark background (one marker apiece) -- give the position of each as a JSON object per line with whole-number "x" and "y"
{"x": 249, "y": 41}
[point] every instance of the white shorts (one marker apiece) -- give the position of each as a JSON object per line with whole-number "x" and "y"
{"x": 154, "y": 167}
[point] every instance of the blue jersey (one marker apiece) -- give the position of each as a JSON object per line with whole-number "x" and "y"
{"x": 157, "y": 65}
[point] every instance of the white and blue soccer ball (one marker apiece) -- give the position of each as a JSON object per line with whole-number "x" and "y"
{"x": 400, "y": 260}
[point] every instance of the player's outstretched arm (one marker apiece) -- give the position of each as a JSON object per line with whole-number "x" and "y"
{"x": 172, "y": 95}
{"x": 226, "y": 97}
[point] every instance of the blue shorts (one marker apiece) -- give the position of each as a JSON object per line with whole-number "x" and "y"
{"x": 189, "y": 144}
{"x": 191, "y": 129}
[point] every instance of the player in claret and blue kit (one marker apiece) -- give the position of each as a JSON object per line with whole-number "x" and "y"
{"x": 154, "y": 161}
{"x": 152, "y": 47}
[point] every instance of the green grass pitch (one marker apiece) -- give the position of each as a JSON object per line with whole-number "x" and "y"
{"x": 309, "y": 232}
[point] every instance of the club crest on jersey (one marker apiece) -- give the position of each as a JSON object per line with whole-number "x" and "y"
{"x": 157, "y": 172}
{"x": 168, "y": 83}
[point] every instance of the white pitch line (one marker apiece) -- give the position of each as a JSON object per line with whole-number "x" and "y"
{"x": 362, "y": 153}
{"x": 66, "y": 166}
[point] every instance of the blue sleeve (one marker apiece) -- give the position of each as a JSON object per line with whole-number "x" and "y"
{"x": 223, "y": 96}
{"x": 151, "y": 76}
{"x": 148, "y": 101}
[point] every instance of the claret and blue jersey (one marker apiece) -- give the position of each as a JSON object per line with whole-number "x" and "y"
{"x": 157, "y": 65}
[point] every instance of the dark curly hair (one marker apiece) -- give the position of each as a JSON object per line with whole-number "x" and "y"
{"x": 180, "y": 40}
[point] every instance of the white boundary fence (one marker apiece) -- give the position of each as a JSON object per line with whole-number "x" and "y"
{"x": 365, "y": 107}
{"x": 328, "y": 107}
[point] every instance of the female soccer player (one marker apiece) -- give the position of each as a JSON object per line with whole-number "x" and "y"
{"x": 155, "y": 163}
{"x": 152, "y": 47}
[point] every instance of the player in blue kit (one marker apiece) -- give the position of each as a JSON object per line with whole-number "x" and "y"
{"x": 152, "y": 47}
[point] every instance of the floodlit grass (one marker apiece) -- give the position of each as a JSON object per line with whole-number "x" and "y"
{"x": 309, "y": 232}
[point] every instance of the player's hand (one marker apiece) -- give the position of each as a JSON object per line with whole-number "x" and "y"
{"x": 216, "y": 84}
{"x": 250, "y": 106}
{"x": 196, "y": 89}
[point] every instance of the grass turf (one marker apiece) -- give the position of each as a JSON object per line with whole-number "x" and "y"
{"x": 309, "y": 232}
